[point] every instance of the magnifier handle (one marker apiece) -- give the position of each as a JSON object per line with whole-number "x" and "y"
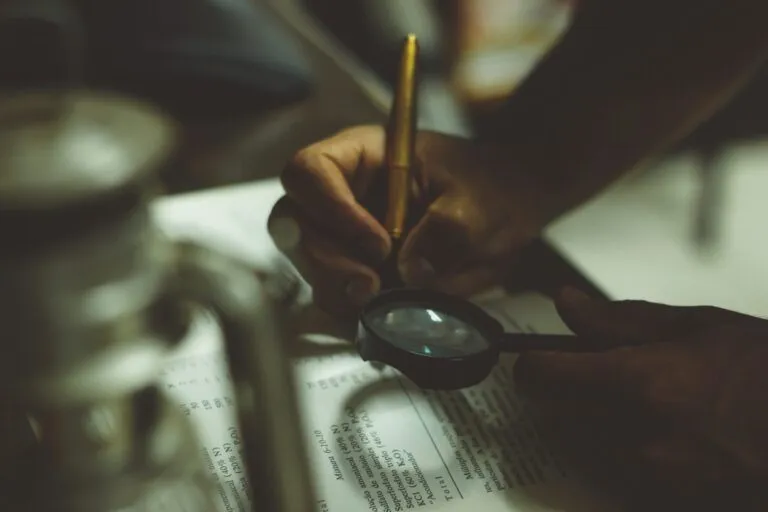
{"x": 522, "y": 342}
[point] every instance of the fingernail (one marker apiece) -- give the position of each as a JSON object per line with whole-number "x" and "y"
{"x": 286, "y": 233}
{"x": 417, "y": 272}
{"x": 360, "y": 290}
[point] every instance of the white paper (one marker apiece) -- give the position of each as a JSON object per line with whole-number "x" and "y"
{"x": 399, "y": 448}
{"x": 474, "y": 449}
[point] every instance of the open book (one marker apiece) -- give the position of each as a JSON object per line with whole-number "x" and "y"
{"x": 375, "y": 441}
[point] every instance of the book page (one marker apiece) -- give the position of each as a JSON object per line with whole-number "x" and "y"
{"x": 375, "y": 442}
{"x": 378, "y": 443}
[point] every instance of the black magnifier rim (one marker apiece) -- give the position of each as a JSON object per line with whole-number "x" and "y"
{"x": 429, "y": 372}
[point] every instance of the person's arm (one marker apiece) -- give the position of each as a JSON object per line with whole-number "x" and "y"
{"x": 627, "y": 79}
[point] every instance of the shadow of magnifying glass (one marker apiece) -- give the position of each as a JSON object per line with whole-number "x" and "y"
{"x": 376, "y": 458}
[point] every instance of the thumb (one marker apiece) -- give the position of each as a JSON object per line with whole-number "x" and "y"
{"x": 631, "y": 320}
{"x": 441, "y": 242}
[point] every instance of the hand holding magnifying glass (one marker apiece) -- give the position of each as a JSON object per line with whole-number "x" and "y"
{"x": 443, "y": 342}
{"x": 436, "y": 340}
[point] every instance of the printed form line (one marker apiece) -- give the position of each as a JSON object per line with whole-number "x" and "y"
{"x": 432, "y": 439}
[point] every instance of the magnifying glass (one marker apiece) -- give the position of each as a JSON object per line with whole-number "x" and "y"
{"x": 444, "y": 342}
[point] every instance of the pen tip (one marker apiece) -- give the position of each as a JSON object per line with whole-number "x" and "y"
{"x": 411, "y": 38}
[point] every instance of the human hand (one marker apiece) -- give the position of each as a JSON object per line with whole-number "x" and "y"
{"x": 679, "y": 422}
{"x": 473, "y": 211}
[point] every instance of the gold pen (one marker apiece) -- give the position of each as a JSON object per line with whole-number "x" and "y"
{"x": 400, "y": 143}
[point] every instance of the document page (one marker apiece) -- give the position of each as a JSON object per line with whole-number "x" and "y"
{"x": 378, "y": 443}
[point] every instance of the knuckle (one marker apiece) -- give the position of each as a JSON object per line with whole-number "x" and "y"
{"x": 461, "y": 216}
{"x": 301, "y": 165}
{"x": 456, "y": 223}
{"x": 303, "y": 158}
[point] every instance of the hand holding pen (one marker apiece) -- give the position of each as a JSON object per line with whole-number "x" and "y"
{"x": 475, "y": 211}
{"x": 678, "y": 411}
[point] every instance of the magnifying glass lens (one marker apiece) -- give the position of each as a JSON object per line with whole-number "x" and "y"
{"x": 426, "y": 331}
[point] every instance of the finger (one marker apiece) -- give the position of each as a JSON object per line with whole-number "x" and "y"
{"x": 659, "y": 383}
{"x": 560, "y": 376}
{"x": 284, "y": 227}
{"x": 325, "y": 178}
{"x": 632, "y": 321}
{"x": 340, "y": 284}
{"x": 495, "y": 262}
{"x": 443, "y": 241}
